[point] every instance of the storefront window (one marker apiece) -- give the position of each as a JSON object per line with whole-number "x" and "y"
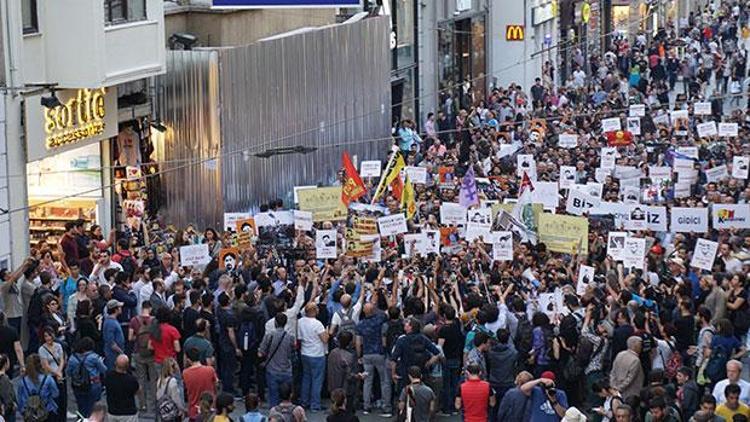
{"x": 462, "y": 63}
{"x": 405, "y": 32}
{"x": 620, "y": 19}
{"x": 122, "y": 11}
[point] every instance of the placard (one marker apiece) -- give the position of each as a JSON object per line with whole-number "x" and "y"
{"x": 392, "y": 225}
{"x": 246, "y": 230}
{"x": 601, "y": 174}
{"x": 580, "y": 201}
{"x": 370, "y": 168}
{"x": 636, "y": 218}
{"x": 740, "y": 167}
{"x": 611, "y": 125}
{"x": 691, "y": 152}
{"x": 274, "y": 219}
{"x": 680, "y": 122}
{"x": 229, "y": 259}
{"x": 567, "y": 177}
{"x": 656, "y": 219}
{"x": 637, "y": 110}
{"x": 194, "y": 255}
{"x": 415, "y": 244}
{"x": 707, "y": 129}
{"x": 502, "y": 246}
{"x": 585, "y": 276}
{"x": 728, "y": 129}
{"x": 704, "y": 254}
{"x": 567, "y": 140}
{"x": 416, "y": 174}
{"x": 630, "y": 194}
{"x": 689, "y": 220}
{"x": 546, "y": 193}
{"x": 716, "y": 174}
{"x": 325, "y": 244}
{"x": 634, "y": 253}
{"x": 324, "y": 203}
{"x": 432, "y": 239}
{"x": 730, "y": 216}
{"x": 303, "y": 220}
{"x": 659, "y": 173}
{"x": 564, "y": 233}
{"x": 616, "y": 244}
{"x": 452, "y": 213}
{"x": 608, "y": 157}
{"x": 231, "y": 218}
{"x": 702, "y": 109}
{"x": 634, "y": 125}
{"x": 525, "y": 163}
{"x": 479, "y": 223}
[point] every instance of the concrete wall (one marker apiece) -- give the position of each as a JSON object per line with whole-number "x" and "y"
{"x": 216, "y": 28}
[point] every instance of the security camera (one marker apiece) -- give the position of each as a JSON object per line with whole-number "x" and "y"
{"x": 182, "y": 41}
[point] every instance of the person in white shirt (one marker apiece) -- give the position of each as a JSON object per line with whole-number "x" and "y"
{"x": 348, "y": 311}
{"x": 291, "y": 314}
{"x": 734, "y": 370}
{"x": 313, "y": 338}
{"x": 104, "y": 264}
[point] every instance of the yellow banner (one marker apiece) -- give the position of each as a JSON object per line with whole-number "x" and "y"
{"x": 564, "y": 233}
{"x": 324, "y": 203}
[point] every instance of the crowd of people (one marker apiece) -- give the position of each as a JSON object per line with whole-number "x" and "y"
{"x": 131, "y": 332}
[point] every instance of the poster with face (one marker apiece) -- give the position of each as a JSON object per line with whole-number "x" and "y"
{"x": 637, "y": 218}
{"x": 704, "y": 254}
{"x": 502, "y": 248}
{"x": 229, "y": 259}
{"x": 585, "y": 276}
{"x": 740, "y": 166}
{"x": 246, "y": 230}
{"x": 616, "y": 245}
{"x": 567, "y": 177}
{"x": 634, "y": 125}
{"x": 608, "y": 156}
{"x": 634, "y": 252}
{"x": 325, "y": 244}
{"x": 432, "y": 239}
{"x": 525, "y": 163}
{"x": 479, "y": 223}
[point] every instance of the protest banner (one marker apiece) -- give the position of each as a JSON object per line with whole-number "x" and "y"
{"x": 581, "y": 201}
{"x": 585, "y": 276}
{"x": 689, "y": 220}
{"x": 702, "y": 108}
{"x": 370, "y": 168}
{"x": 452, "y": 213}
{"x": 567, "y": 140}
{"x": 325, "y": 244}
{"x": 728, "y": 130}
{"x": 659, "y": 172}
{"x": 716, "y": 174}
{"x": 324, "y": 203}
{"x": 303, "y": 220}
{"x": 416, "y": 174}
{"x": 392, "y": 225}
{"x": 706, "y": 129}
{"x": 228, "y": 259}
{"x": 297, "y": 189}
{"x": 230, "y": 220}
{"x": 502, "y": 246}
{"x": 564, "y": 233}
{"x": 194, "y": 255}
{"x": 730, "y": 216}
{"x": 740, "y": 166}
{"x": 704, "y": 254}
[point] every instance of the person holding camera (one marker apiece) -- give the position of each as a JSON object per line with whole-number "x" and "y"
{"x": 548, "y": 404}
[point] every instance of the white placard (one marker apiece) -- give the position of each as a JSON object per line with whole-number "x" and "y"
{"x": 567, "y": 177}
{"x": 370, "y": 168}
{"x": 231, "y": 218}
{"x": 728, "y": 129}
{"x": 608, "y": 157}
{"x": 687, "y": 220}
{"x": 432, "y": 239}
{"x": 546, "y": 193}
{"x": 391, "y": 225}
{"x": 661, "y": 119}
{"x": 611, "y": 125}
{"x": 601, "y": 174}
{"x": 637, "y": 110}
{"x": 579, "y": 201}
{"x": 416, "y": 174}
{"x": 707, "y": 129}
{"x": 730, "y": 216}
{"x": 630, "y": 194}
{"x": 478, "y": 224}
{"x": 636, "y": 218}
{"x": 682, "y": 190}
{"x": 627, "y": 172}
{"x": 502, "y": 246}
{"x": 683, "y": 164}
{"x": 567, "y": 140}
{"x": 659, "y": 173}
{"x": 716, "y": 174}
{"x": 691, "y": 152}
{"x": 274, "y": 218}
{"x": 452, "y": 213}
{"x": 634, "y": 125}
{"x": 618, "y": 210}
{"x": 526, "y": 163}
{"x": 634, "y": 252}
{"x": 740, "y": 167}
{"x": 676, "y": 115}
{"x": 325, "y": 244}
{"x": 303, "y": 220}
{"x": 656, "y": 219}
{"x": 704, "y": 254}
{"x": 702, "y": 109}
{"x": 415, "y": 243}
{"x": 616, "y": 244}
{"x": 585, "y": 276}
{"x": 194, "y": 255}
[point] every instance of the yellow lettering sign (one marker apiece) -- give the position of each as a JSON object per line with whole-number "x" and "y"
{"x": 81, "y": 117}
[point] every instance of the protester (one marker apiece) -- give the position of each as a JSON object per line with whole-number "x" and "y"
{"x": 122, "y": 389}
{"x": 476, "y": 396}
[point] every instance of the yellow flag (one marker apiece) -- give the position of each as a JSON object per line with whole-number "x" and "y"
{"x": 408, "y": 201}
{"x": 389, "y": 175}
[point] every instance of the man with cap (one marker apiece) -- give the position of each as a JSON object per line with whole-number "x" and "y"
{"x": 548, "y": 404}
{"x": 112, "y": 335}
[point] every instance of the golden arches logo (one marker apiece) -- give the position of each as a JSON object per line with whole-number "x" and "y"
{"x": 514, "y": 33}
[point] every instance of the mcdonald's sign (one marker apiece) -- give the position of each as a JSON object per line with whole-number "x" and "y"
{"x": 514, "y": 33}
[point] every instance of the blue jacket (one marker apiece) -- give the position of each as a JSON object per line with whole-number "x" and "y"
{"x": 129, "y": 300}
{"x": 112, "y": 334}
{"x": 403, "y": 354}
{"x": 92, "y": 362}
{"x": 45, "y": 386}
{"x": 514, "y": 406}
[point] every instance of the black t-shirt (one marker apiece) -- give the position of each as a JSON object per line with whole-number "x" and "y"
{"x": 8, "y": 336}
{"x": 121, "y": 390}
{"x": 189, "y": 317}
{"x": 453, "y": 347}
{"x": 227, "y": 320}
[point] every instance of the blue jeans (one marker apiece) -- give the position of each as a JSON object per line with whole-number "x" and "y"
{"x": 451, "y": 380}
{"x": 87, "y": 400}
{"x": 313, "y": 369}
{"x": 274, "y": 380}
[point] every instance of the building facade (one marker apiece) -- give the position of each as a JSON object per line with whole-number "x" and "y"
{"x": 77, "y": 121}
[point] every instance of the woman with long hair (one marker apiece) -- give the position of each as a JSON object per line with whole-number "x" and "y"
{"x": 339, "y": 411}
{"x": 165, "y": 339}
{"x": 53, "y": 361}
{"x": 37, "y": 382}
{"x": 214, "y": 242}
{"x": 85, "y": 324}
{"x": 542, "y": 336}
{"x": 86, "y": 367}
{"x": 80, "y": 295}
{"x": 737, "y": 305}
{"x": 170, "y": 403}
{"x": 53, "y": 318}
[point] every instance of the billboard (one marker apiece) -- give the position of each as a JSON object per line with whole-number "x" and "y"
{"x": 266, "y": 4}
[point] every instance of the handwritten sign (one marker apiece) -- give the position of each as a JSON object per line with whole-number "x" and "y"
{"x": 324, "y": 203}
{"x": 194, "y": 255}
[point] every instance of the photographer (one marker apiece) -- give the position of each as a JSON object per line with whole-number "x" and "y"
{"x": 548, "y": 404}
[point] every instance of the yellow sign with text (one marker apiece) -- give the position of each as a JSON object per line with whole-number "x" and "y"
{"x": 324, "y": 203}
{"x": 78, "y": 118}
{"x": 564, "y": 233}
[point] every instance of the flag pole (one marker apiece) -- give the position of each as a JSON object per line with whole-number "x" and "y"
{"x": 382, "y": 177}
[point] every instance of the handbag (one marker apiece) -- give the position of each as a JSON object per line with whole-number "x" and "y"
{"x": 405, "y": 415}
{"x": 167, "y": 408}
{"x": 262, "y": 365}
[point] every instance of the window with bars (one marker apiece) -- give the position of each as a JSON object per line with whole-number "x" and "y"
{"x": 122, "y": 11}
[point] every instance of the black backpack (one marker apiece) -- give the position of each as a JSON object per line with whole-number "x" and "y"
{"x": 246, "y": 336}
{"x": 524, "y": 338}
{"x": 716, "y": 367}
{"x": 419, "y": 354}
{"x": 80, "y": 380}
{"x": 394, "y": 330}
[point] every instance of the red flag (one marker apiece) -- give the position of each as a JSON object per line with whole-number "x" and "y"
{"x": 619, "y": 138}
{"x": 353, "y": 188}
{"x": 397, "y": 187}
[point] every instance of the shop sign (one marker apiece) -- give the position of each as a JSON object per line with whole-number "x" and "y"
{"x": 84, "y": 116}
{"x": 265, "y": 4}
{"x": 514, "y": 33}
{"x": 542, "y": 14}
{"x": 585, "y": 12}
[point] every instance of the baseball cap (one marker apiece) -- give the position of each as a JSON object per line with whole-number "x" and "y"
{"x": 548, "y": 375}
{"x": 112, "y": 304}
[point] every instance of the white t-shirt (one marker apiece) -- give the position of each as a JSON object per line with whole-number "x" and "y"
{"x": 336, "y": 319}
{"x": 721, "y": 385}
{"x": 310, "y": 330}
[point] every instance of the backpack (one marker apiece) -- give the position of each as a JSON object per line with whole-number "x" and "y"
{"x": 394, "y": 330}
{"x": 80, "y": 379}
{"x": 166, "y": 407}
{"x": 35, "y": 409}
{"x": 143, "y": 338}
{"x": 673, "y": 364}
{"x": 347, "y": 324}
{"x": 419, "y": 354}
{"x": 716, "y": 368}
{"x": 246, "y": 336}
{"x": 283, "y": 411}
{"x": 524, "y": 338}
